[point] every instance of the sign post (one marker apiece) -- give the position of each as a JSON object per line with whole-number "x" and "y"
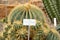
{"x": 29, "y": 22}
{"x": 55, "y": 23}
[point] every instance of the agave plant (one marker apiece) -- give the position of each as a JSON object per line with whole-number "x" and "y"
{"x": 53, "y": 9}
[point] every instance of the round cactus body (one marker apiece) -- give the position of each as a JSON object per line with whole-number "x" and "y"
{"x": 53, "y": 35}
{"x": 15, "y": 32}
{"x": 25, "y": 11}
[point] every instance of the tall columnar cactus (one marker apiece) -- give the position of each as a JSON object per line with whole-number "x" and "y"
{"x": 58, "y": 5}
{"x": 15, "y": 30}
{"x": 53, "y": 9}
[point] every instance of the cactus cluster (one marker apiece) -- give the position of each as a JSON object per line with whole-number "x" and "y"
{"x": 15, "y": 30}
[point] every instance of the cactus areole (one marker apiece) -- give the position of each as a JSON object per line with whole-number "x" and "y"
{"x": 25, "y": 11}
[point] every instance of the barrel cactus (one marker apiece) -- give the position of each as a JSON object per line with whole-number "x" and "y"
{"x": 25, "y": 12}
{"x": 44, "y": 33}
{"x": 53, "y": 9}
{"x": 15, "y": 30}
{"x": 53, "y": 35}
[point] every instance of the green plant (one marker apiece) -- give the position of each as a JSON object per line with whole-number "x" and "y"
{"x": 15, "y": 30}
{"x": 39, "y": 35}
{"x": 53, "y": 35}
{"x": 27, "y": 11}
{"x": 53, "y": 9}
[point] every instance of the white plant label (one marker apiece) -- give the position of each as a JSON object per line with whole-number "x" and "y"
{"x": 29, "y": 22}
{"x": 55, "y": 23}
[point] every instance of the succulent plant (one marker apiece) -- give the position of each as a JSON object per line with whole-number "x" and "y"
{"x": 15, "y": 30}
{"x": 39, "y": 35}
{"x": 53, "y": 35}
{"x": 26, "y": 11}
{"x": 53, "y": 9}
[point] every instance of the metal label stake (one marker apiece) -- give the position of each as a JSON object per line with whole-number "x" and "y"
{"x": 29, "y": 22}
{"x": 28, "y": 32}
